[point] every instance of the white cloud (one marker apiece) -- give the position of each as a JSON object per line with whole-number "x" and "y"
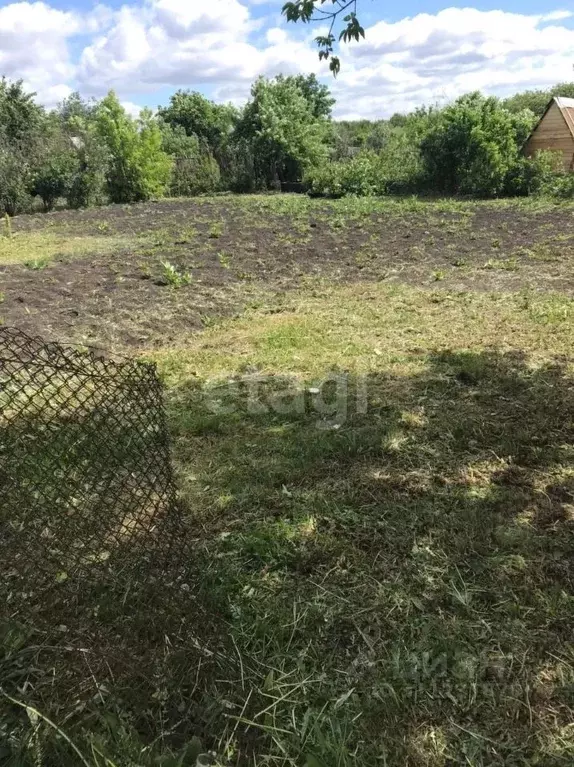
{"x": 152, "y": 45}
{"x": 132, "y": 109}
{"x": 187, "y": 43}
{"x": 33, "y": 47}
{"x": 430, "y": 58}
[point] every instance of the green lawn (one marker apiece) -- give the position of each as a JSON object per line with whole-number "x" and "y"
{"x": 393, "y": 556}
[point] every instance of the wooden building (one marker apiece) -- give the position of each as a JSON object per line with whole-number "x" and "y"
{"x": 555, "y": 130}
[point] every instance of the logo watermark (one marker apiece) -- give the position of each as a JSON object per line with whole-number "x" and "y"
{"x": 331, "y": 398}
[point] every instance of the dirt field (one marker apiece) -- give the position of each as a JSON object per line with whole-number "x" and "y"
{"x": 96, "y": 276}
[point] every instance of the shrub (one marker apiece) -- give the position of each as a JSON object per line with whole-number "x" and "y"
{"x": 326, "y": 180}
{"x": 15, "y": 180}
{"x": 363, "y": 176}
{"x": 54, "y": 176}
{"x": 238, "y": 171}
{"x": 560, "y": 186}
{"x": 194, "y": 175}
{"x": 194, "y": 169}
{"x": 531, "y": 175}
{"x": 472, "y": 147}
{"x": 138, "y": 168}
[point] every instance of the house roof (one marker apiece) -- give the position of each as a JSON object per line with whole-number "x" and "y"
{"x": 566, "y": 106}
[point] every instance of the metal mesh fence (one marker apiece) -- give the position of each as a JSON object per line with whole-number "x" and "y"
{"x": 85, "y": 475}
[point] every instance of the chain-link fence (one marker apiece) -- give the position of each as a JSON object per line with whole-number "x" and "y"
{"x": 85, "y": 473}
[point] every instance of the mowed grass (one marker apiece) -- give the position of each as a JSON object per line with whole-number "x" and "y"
{"x": 36, "y": 249}
{"x": 380, "y": 486}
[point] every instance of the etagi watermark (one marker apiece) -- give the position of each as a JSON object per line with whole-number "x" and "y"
{"x": 331, "y": 399}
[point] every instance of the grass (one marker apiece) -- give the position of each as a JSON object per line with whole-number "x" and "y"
{"x": 379, "y": 502}
{"x": 384, "y": 518}
{"x": 40, "y": 247}
{"x": 394, "y": 558}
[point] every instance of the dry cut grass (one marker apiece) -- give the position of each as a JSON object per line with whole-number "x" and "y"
{"x": 379, "y": 491}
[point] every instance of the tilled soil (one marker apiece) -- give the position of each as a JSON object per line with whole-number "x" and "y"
{"x": 244, "y": 251}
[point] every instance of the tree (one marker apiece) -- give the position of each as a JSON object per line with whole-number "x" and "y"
{"x": 74, "y": 108}
{"x": 20, "y": 116}
{"x": 337, "y": 11}
{"x": 537, "y": 100}
{"x": 194, "y": 170}
{"x": 137, "y": 167}
{"x": 472, "y": 147}
{"x": 57, "y": 165}
{"x": 318, "y": 95}
{"x": 20, "y": 142}
{"x": 211, "y": 123}
{"x": 285, "y": 134}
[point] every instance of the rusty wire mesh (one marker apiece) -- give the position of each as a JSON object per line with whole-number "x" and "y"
{"x": 85, "y": 475}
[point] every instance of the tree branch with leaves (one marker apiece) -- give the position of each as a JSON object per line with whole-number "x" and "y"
{"x": 340, "y": 15}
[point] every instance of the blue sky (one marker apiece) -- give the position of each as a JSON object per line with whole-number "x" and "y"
{"x": 415, "y": 52}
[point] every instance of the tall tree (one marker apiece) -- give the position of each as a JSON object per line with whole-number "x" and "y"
{"x": 536, "y": 100}
{"x": 198, "y": 116}
{"x": 20, "y": 116}
{"x": 138, "y": 168}
{"x": 281, "y": 125}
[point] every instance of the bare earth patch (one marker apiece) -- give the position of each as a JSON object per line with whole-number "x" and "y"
{"x": 111, "y": 289}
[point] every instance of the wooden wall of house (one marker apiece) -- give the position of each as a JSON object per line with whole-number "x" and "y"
{"x": 553, "y": 133}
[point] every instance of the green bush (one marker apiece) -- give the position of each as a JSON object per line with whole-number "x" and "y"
{"x": 194, "y": 175}
{"x": 326, "y": 180}
{"x": 532, "y": 175}
{"x": 138, "y": 168}
{"x": 15, "y": 180}
{"x": 472, "y": 147}
{"x": 362, "y": 176}
{"x": 561, "y": 186}
{"x": 54, "y": 176}
{"x": 194, "y": 169}
{"x": 238, "y": 172}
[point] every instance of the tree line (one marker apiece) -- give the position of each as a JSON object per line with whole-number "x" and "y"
{"x": 91, "y": 152}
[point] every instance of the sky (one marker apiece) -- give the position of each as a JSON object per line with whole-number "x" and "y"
{"x": 415, "y": 52}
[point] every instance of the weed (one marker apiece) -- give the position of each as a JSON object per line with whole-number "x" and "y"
{"x": 215, "y": 230}
{"x": 507, "y": 265}
{"x": 37, "y": 264}
{"x": 7, "y": 232}
{"x": 174, "y": 276}
{"x": 224, "y": 259}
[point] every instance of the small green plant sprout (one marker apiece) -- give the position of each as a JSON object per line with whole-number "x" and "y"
{"x": 103, "y": 226}
{"x": 215, "y": 230}
{"x": 505, "y": 264}
{"x": 173, "y": 276}
{"x": 36, "y": 264}
{"x": 224, "y": 259}
{"x": 439, "y": 275}
{"x": 7, "y": 226}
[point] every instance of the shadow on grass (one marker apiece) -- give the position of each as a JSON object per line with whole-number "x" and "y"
{"x": 408, "y": 566}
{"x": 391, "y": 587}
